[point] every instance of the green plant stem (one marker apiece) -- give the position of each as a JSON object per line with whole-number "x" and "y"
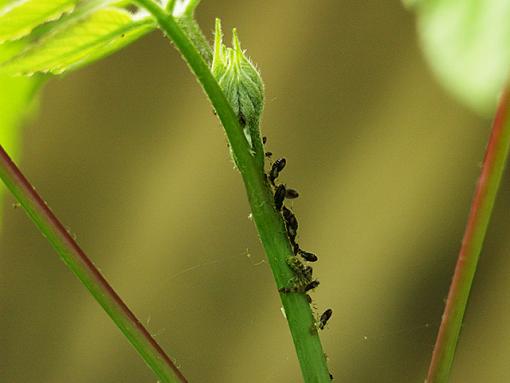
{"x": 192, "y": 5}
{"x": 74, "y": 257}
{"x": 481, "y": 208}
{"x": 268, "y": 221}
{"x": 170, "y": 6}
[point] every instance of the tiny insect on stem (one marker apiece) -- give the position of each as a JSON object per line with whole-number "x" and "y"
{"x": 291, "y": 194}
{"x": 312, "y": 285}
{"x": 277, "y": 167}
{"x": 310, "y": 257}
{"x": 279, "y": 197}
{"x": 326, "y": 315}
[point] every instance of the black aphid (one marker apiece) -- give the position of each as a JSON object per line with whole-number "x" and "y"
{"x": 299, "y": 288}
{"x": 279, "y": 196}
{"x": 290, "y": 218}
{"x": 292, "y": 232}
{"x": 277, "y": 167}
{"x": 312, "y": 285}
{"x": 291, "y": 194}
{"x": 264, "y": 139}
{"x": 310, "y": 257}
{"x": 293, "y": 289}
{"x": 324, "y": 318}
{"x": 279, "y": 164}
{"x": 308, "y": 273}
{"x": 292, "y": 225}
{"x": 268, "y": 154}
{"x": 330, "y": 376}
{"x": 303, "y": 272}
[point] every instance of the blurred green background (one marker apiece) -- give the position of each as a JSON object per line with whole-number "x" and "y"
{"x": 129, "y": 154}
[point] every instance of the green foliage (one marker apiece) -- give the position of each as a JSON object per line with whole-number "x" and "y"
{"x": 54, "y": 36}
{"x": 467, "y": 43}
{"x": 18, "y": 19}
{"x": 86, "y": 39}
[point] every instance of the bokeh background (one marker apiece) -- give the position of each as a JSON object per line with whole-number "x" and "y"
{"x": 129, "y": 154}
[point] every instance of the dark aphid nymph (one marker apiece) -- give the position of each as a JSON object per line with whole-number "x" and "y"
{"x": 277, "y": 167}
{"x": 324, "y": 318}
{"x": 291, "y": 194}
{"x": 309, "y": 257}
{"x": 279, "y": 196}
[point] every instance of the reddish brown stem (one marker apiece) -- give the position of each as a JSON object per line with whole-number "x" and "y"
{"x": 75, "y": 258}
{"x": 474, "y": 235}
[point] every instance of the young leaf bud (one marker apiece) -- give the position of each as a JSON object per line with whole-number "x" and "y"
{"x": 219, "y": 62}
{"x": 242, "y": 85}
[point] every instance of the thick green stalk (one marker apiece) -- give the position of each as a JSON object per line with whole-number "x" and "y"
{"x": 74, "y": 257}
{"x": 481, "y": 209}
{"x": 268, "y": 221}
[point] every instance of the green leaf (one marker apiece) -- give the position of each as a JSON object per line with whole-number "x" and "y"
{"x": 19, "y": 18}
{"x": 83, "y": 41}
{"x": 467, "y": 43}
{"x": 11, "y": 49}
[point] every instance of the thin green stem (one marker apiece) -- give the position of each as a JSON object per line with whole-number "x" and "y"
{"x": 268, "y": 221}
{"x": 192, "y": 5}
{"x": 481, "y": 209}
{"x": 74, "y": 257}
{"x": 170, "y": 6}
{"x": 188, "y": 10}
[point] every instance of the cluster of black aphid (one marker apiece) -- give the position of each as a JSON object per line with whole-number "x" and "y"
{"x": 303, "y": 281}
